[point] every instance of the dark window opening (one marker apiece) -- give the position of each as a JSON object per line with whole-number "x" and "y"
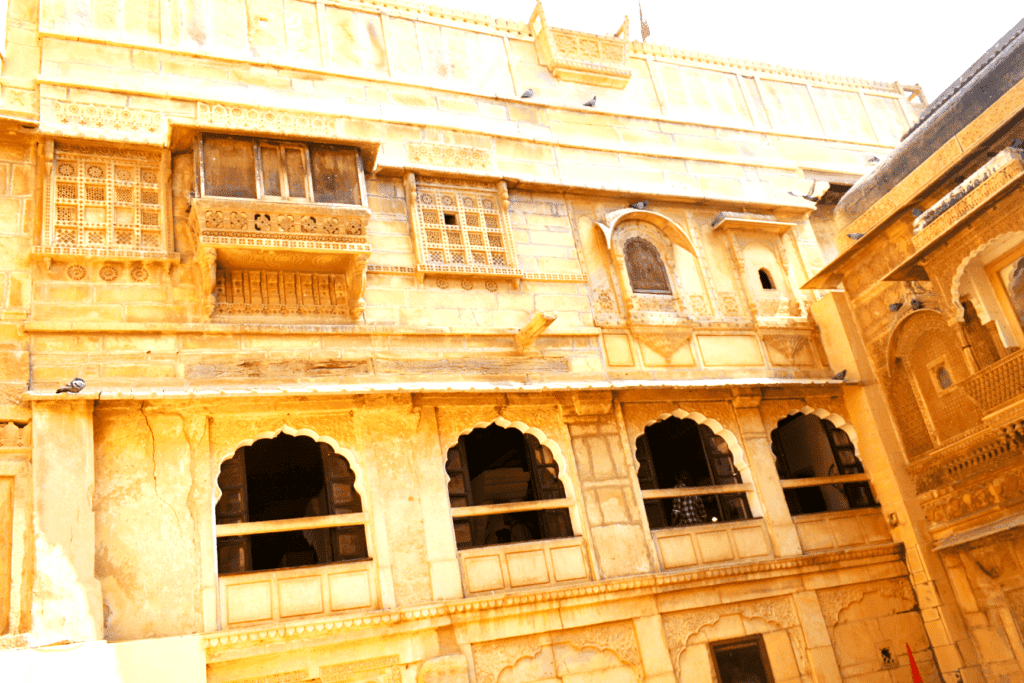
{"x": 450, "y": 219}
{"x": 678, "y": 453}
{"x": 743, "y": 661}
{"x": 494, "y": 466}
{"x": 647, "y": 274}
{"x": 943, "y": 378}
{"x": 287, "y": 477}
{"x": 275, "y": 170}
{"x": 807, "y": 446}
{"x": 766, "y": 279}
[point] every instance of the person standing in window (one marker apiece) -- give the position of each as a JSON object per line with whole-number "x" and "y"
{"x": 687, "y": 510}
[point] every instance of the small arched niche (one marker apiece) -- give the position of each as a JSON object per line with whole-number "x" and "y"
{"x": 294, "y": 496}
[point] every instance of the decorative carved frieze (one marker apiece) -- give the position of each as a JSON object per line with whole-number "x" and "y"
{"x": 240, "y": 117}
{"x": 306, "y": 239}
{"x": 256, "y": 292}
{"x": 15, "y": 435}
{"x": 448, "y": 156}
{"x": 106, "y": 118}
{"x": 834, "y": 600}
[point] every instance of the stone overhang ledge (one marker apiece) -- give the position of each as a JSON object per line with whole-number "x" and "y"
{"x": 648, "y": 585}
{"x": 140, "y": 394}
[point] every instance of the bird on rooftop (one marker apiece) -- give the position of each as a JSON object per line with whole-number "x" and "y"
{"x": 640, "y": 205}
{"x": 72, "y": 387}
{"x": 840, "y": 376}
{"x": 896, "y": 306}
{"x": 874, "y": 160}
{"x": 818, "y": 190}
{"x": 916, "y": 304}
{"x": 854, "y": 235}
{"x": 528, "y": 94}
{"x": 916, "y": 212}
{"x": 592, "y": 102}
{"x": 1017, "y": 143}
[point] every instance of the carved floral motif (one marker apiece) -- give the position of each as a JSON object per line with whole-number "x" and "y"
{"x": 834, "y": 600}
{"x": 681, "y": 626}
{"x": 448, "y": 156}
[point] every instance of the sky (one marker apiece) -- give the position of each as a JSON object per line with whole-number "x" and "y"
{"x": 884, "y": 40}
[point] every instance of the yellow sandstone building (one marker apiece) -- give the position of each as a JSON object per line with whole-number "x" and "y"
{"x": 422, "y": 346}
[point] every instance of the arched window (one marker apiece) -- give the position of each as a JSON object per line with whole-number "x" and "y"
{"x": 647, "y": 274}
{"x": 677, "y": 454}
{"x": 766, "y": 279}
{"x": 806, "y": 446}
{"x": 287, "y": 502}
{"x": 504, "y": 488}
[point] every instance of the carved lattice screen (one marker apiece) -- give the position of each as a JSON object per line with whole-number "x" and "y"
{"x": 104, "y": 201}
{"x": 462, "y": 228}
{"x": 647, "y": 273}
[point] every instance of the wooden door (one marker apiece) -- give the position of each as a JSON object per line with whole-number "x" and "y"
{"x": 234, "y": 553}
{"x": 347, "y": 543}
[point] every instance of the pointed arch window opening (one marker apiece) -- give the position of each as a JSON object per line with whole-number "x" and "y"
{"x": 766, "y": 279}
{"x": 677, "y": 456}
{"x": 806, "y": 446}
{"x": 504, "y": 487}
{"x": 646, "y": 271}
{"x": 288, "y": 502}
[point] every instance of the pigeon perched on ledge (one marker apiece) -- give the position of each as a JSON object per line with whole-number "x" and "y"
{"x": 528, "y": 94}
{"x": 640, "y": 205}
{"x": 72, "y": 387}
{"x": 592, "y": 102}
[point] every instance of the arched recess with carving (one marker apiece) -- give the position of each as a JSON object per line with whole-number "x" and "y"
{"x": 360, "y": 481}
{"x": 990, "y": 281}
{"x": 571, "y": 490}
{"x": 761, "y": 616}
{"x": 922, "y": 344}
{"x": 678, "y": 253}
{"x": 738, "y": 456}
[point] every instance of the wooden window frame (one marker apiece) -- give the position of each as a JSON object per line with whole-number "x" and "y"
{"x": 722, "y": 492}
{"x": 992, "y": 272}
{"x": 259, "y": 143}
{"x": 670, "y": 290}
{"x": 739, "y": 642}
{"x": 470, "y": 509}
{"x": 243, "y": 530}
{"x": 848, "y": 475}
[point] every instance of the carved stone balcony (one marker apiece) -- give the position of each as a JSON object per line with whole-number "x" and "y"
{"x": 250, "y": 235}
{"x": 997, "y": 384}
{"x": 581, "y": 57}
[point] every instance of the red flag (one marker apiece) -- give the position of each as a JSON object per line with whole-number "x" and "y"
{"x": 915, "y": 673}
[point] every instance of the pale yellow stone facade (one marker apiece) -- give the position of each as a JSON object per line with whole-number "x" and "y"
{"x": 476, "y": 265}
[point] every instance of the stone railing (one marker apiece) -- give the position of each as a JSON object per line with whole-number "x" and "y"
{"x": 997, "y": 384}
{"x": 250, "y": 236}
{"x": 274, "y": 225}
{"x": 582, "y": 57}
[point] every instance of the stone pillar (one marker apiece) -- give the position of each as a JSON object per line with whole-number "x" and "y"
{"x": 66, "y": 597}
{"x": 824, "y": 666}
{"x": 758, "y": 449}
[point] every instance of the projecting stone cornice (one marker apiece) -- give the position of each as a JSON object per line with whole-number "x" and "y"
{"x": 221, "y": 644}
